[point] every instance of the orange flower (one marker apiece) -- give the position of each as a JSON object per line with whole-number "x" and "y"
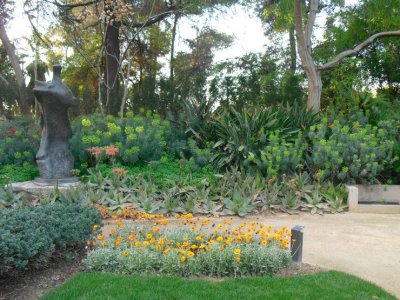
{"x": 104, "y": 243}
{"x": 95, "y": 227}
{"x": 117, "y": 243}
{"x": 111, "y": 150}
{"x": 119, "y": 171}
{"x": 100, "y": 237}
{"x": 113, "y": 231}
{"x": 237, "y": 259}
{"x": 95, "y": 151}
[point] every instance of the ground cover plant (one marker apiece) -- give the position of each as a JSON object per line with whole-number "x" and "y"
{"x": 195, "y": 247}
{"x": 322, "y": 285}
{"x": 30, "y": 236}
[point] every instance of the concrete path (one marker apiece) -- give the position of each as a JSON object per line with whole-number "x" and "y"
{"x": 365, "y": 245}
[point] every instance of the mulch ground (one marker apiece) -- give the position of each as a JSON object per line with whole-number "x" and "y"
{"x": 34, "y": 284}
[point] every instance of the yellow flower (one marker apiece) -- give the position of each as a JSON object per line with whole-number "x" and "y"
{"x": 183, "y": 252}
{"x": 95, "y": 227}
{"x": 100, "y": 237}
{"x": 146, "y": 243}
{"x": 237, "y": 251}
{"x": 190, "y": 254}
{"x": 220, "y": 239}
{"x": 264, "y": 242}
{"x": 125, "y": 253}
{"x": 104, "y": 243}
{"x": 237, "y": 259}
{"x": 149, "y": 236}
{"x": 193, "y": 247}
{"x": 183, "y": 258}
{"x": 112, "y": 231}
{"x": 138, "y": 244}
{"x": 198, "y": 238}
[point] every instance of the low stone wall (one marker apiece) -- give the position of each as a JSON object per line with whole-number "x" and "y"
{"x": 374, "y": 198}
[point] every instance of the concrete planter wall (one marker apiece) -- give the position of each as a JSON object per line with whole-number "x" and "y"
{"x": 377, "y": 198}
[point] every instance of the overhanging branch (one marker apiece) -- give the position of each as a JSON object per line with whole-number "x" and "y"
{"x": 334, "y": 62}
{"x": 73, "y": 5}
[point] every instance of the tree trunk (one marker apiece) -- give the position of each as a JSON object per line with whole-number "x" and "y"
{"x": 23, "y": 94}
{"x": 304, "y": 49}
{"x": 292, "y": 42}
{"x": 112, "y": 68}
{"x": 172, "y": 58}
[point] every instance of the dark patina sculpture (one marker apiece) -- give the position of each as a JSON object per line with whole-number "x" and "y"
{"x": 54, "y": 159}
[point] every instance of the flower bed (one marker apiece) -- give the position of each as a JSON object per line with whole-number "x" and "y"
{"x": 197, "y": 247}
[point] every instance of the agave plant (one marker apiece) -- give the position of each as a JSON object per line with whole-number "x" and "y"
{"x": 73, "y": 195}
{"x": 335, "y": 196}
{"x": 171, "y": 203}
{"x": 315, "y": 200}
{"x": 240, "y": 204}
{"x": 147, "y": 204}
{"x": 97, "y": 179}
{"x": 115, "y": 200}
{"x": 10, "y": 199}
{"x": 270, "y": 197}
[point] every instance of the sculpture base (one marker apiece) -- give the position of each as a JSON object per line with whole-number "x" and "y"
{"x": 61, "y": 182}
{"x": 32, "y": 188}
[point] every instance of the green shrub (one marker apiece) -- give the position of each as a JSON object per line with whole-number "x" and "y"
{"x": 349, "y": 153}
{"x": 16, "y": 173}
{"x": 29, "y": 236}
{"x": 279, "y": 156}
{"x": 19, "y": 141}
{"x": 138, "y": 138}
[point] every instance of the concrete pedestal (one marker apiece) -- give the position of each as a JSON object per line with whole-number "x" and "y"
{"x": 31, "y": 187}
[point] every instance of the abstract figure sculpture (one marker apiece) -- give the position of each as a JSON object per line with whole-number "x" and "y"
{"x": 54, "y": 159}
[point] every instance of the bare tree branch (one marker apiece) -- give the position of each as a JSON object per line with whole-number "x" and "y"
{"x": 334, "y": 62}
{"x": 73, "y": 5}
{"x": 154, "y": 19}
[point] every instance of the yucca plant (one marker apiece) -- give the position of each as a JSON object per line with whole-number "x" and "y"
{"x": 240, "y": 133}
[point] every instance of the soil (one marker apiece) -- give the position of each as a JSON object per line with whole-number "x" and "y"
{"x": 34, "y": 284}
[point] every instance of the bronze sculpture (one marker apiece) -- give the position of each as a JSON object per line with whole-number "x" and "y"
{"x": 54, "y": 159}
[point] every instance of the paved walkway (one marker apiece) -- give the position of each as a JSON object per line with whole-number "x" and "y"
{"x": 365, "y": 245}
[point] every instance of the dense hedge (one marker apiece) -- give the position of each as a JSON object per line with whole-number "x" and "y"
{"x": 29, "y": 236}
